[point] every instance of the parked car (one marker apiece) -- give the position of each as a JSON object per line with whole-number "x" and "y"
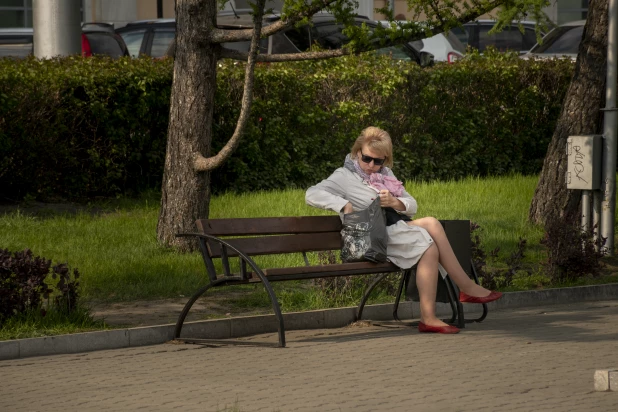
{"x": 96, "y": 38}
{"x": 563, "y": 41}
{"x": 141, "y": 36}
{"x": 445, "y": 47}
{"x": 407, "y": 52}
{"x": 476, "y": 34}
{"x": 149, "y": 37}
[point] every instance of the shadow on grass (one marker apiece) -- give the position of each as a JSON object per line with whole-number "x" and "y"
{"x": 96, "y": 207}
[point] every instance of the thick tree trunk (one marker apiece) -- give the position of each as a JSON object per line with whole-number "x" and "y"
{"x": 186, "y": 193}
{"x": 580, "y": 115}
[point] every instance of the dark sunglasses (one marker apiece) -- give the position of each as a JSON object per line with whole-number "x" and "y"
{"x": 368, "y": 159}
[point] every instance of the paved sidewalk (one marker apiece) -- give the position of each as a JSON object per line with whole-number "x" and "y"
{"x": 537, "y": 359}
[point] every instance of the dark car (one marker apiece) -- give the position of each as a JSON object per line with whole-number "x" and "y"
{"x": 476, "y": 34}
{"x": 96, "y": 39}
{"x": 155, "y": 38}
{"x": 149, "y": 37}
{"x": 561, "y": 42}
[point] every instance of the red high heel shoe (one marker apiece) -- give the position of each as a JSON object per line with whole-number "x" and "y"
{"x": 437, "y": 329}
{"x": 493, "y": 295}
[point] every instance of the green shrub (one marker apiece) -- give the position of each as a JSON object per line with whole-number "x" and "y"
{"x": 76, "y": 127}
{"x": 23, "y": 285}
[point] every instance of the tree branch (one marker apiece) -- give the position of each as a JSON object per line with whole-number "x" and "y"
{"x": 289, "y": 57}
{"x": 470, "y": 14}
{"x": 202, "y": 164}
{"x": 217, "y": 35}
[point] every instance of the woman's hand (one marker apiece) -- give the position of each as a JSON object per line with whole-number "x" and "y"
{"x": 348, "y": 208}
{"x": 388, "y": 200}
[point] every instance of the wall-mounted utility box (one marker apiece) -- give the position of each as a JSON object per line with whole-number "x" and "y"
{"x": 584, "y": 162}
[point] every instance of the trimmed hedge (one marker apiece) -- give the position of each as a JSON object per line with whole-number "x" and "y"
{"x": 78, "y": 128}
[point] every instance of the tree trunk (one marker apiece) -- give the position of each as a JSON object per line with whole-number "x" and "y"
{"x": 186, "y": 193}
{"x": 580, "y": 115}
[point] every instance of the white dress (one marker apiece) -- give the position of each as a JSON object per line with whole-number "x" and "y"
{"x": 406, "y": 243}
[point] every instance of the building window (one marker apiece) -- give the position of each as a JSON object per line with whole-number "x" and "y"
{"x": 571, "y": 10}
{"x": 15, "y": 13}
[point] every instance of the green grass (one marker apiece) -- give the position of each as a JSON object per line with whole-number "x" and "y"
{"x": 33, "y": 324}
{"x": 117, "y": 254}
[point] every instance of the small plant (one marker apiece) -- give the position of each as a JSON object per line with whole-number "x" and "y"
{"x": 23, "y": 286}
{"x": 497, "y": 278}
{"x": 571, "y": 251}
{"x": 343, "y": 290}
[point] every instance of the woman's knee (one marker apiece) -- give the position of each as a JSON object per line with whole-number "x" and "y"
{"x": 431, "y": 253}
{"x": 427, "y": 222}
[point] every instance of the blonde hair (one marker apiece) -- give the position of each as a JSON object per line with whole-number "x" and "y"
{"x": 378, "y": 140}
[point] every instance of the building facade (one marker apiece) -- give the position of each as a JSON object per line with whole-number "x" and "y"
{"x": 18, "y": 13}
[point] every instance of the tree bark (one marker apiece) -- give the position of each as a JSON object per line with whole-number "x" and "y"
{"x": 185, "y": 192}
{"x": 580, "y": 115}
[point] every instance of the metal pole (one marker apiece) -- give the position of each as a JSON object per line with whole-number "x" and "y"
{"x": 586, "y": 210}
{"x": 610, "y": 122}
{"x": 159, "y": 9}
{"x": 57, "y": 28}
{"x": 596, "y": 216}
{"x": 391, "y": 6}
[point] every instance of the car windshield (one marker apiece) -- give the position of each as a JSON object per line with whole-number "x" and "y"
{"x": 563, "y": 40}
{"x": 398, "y": 52}
{"x": 104, "y": 43}
{"x": 455, "y": 42}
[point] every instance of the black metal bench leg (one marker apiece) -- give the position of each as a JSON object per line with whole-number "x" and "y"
{"x": 456, "y": 306}
{"x": 476, "y": 279}
{"x": 185, "y": 310}
{"x": 276, "y": 307}
{"x": 269, "y": 290}
{"x": 361, "y": 305}
{"x": 405, "y": 278}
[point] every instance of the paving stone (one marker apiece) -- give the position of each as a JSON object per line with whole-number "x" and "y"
{"x": 603, "y": 381}
{"x": 613, "y": 380}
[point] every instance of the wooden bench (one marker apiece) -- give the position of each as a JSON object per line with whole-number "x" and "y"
{"x": 242, "y": 238}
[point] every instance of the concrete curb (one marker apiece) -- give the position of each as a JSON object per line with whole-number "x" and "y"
{"x": 251, "y": 325}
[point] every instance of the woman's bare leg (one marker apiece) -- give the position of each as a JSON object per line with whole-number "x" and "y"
{"x": 447, "y": 257}
{"x": 427, "y": 284}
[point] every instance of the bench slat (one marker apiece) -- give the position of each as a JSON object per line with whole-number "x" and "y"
{"x": 269, "y": 225}
{"x": 320, "y": 271}
{"x": 273, "y": 245}
{"x": 362, "y": 267}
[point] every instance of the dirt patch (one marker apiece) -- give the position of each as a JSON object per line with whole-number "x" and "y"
{"x": 165, "y": 311}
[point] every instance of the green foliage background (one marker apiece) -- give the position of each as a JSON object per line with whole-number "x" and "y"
{"x": 81, "y": 128}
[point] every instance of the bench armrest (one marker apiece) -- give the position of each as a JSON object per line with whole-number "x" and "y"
{"x": 210, "y": 267}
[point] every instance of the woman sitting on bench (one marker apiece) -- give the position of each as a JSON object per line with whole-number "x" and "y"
{"x": 365, "y": 175}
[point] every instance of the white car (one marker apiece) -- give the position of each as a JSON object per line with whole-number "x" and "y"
{"x": 445, "y": 47}
{"x": 563, "y": 41}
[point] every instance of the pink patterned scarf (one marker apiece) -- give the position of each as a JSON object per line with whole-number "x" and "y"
{"x": 380, "y": 180}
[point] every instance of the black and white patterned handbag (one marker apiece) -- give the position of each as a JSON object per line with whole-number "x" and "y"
{"x": 364, "y": 235}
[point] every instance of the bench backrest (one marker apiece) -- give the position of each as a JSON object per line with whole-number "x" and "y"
{"x": 277, "y": 235}
{"x": 274, "y": 235}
